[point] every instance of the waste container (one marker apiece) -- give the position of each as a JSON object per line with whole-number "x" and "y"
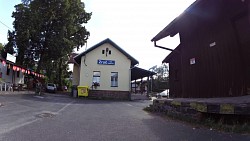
{"x": 83, "y": 90}
{"x": 74, "y": 91}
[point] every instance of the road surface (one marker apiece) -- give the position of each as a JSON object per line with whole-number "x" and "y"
{"x": 52, "y": 117}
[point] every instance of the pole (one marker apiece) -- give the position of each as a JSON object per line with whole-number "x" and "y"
{"x": 151, "y": 84}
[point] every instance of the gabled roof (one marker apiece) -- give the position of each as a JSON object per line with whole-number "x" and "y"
{"x": 133, "y": 60}
{"x": 71, "y": 58}
{"x": 172, "y": 54}
{"x": 171, "y": 28}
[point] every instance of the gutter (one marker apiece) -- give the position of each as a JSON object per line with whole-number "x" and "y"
{"x": 169, "y": 49}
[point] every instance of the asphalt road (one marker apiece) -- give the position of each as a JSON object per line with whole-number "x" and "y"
{"x": 54, "y": 118}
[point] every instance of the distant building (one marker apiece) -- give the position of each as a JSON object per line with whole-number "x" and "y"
{"x": 15, "y": 76}
{"x": 107, "y": 70}
{"x": 213, "y": 57}
{"x": 10, "y": 73}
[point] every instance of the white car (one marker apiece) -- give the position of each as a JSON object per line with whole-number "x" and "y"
{"x": 163, "y": 94}
{"x": 50, "y": 87}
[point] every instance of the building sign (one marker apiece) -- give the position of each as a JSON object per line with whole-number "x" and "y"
{"x": 11, "y": 58}
{"x": 212, "y": 44}
{"x": 106, "y": 62}
{"x": 192, "y": 61}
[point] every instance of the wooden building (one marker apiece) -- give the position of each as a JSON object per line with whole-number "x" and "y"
{"x": 213, "y": 57}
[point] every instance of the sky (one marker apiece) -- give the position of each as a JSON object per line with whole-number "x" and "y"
{"x": 131, "y": 24}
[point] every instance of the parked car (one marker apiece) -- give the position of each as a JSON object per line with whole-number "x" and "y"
{"x": 50, "y": 87}
{"x": 164, "y": 94}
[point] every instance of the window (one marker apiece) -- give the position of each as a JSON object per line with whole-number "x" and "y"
{"x": 8, "y": 71}
{"x": 96, "y": 78}
{"x": 114, "y": 79}
{"x": 17, "y": 73}
{"x": 103, "y": 51}
{"x": 109, "y": 52}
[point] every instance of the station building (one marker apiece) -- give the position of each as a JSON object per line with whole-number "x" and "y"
{"x": 107, "y": 70}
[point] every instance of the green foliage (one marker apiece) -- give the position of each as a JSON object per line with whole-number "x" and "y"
{"x": 162, "y": 72}
{"x": 1, "y": 49}
{"x": 1, "y": 46}
{"x": 11, "y": 45}
{"x": 46, "y": 32}
{"x": 161, "y": 80}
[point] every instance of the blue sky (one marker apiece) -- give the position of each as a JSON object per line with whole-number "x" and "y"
{"x": 131, "y": 24}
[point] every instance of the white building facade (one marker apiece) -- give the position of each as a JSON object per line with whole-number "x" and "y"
{"x": 106, "y": 69}
{"x": 8, "y": 75}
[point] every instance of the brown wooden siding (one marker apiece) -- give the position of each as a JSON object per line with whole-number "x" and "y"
{"x": 175, "y": 76}
{"x": 219, "y": 71}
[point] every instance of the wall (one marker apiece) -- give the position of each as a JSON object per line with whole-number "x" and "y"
{"x": 76, "y": 75}
{"x": 218, "y": 69}
{"x": 12, "y": 77}
{"x": 104, "y": 94}
{"x": 175, "y": 76}
{"x": 122, "y": 65}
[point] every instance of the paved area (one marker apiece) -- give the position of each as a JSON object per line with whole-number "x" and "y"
{"x": 16, "y": 92}
{"x": 139, "y": 97}
{"x": 26, "y": 117}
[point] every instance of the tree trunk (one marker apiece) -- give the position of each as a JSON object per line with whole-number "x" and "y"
{"x": 40, "y": 62}
{"x": 60, "y": 72}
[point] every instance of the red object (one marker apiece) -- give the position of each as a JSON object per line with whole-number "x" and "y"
{"x": 14, "y": 68}
{"x": 4, "y": 63}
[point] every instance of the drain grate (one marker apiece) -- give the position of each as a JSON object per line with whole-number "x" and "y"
{"x": 45, "y": 115}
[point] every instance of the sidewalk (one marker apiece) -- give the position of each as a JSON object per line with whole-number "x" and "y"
{"x": 139, "y": 97}
{"x": 17, "y": 92}
{"x": 32, "y": 92}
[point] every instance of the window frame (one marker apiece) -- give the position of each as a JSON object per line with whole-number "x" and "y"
{"x": 115, "y": 82}
{"x": 96, "y": 81}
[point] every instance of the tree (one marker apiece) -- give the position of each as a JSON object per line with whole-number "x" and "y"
{"x": 1, "y": 46}
{"x": 23, "y": 30}
{"x": 10, "y": 47}
{"x": 161, "y": 81}
{"x": 47, "y": 30}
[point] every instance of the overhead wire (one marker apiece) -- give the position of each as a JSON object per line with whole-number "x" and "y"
{"x": 6, "y": 25}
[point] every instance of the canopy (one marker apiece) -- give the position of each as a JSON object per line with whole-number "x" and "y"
{"x": 138, "y": 73}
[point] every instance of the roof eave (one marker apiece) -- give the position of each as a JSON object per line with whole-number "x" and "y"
{"x": 133, "y": 60}
{"x": 171, "y": 28}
